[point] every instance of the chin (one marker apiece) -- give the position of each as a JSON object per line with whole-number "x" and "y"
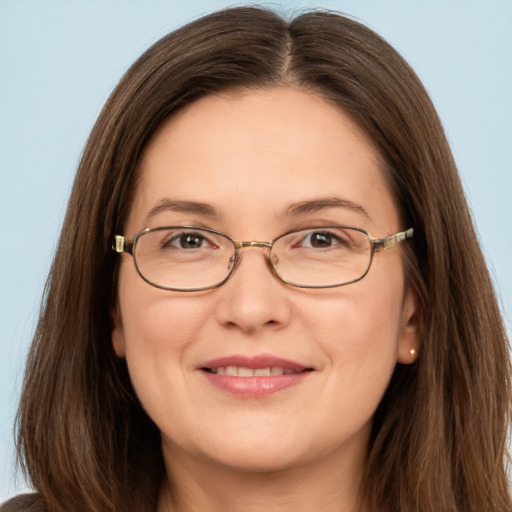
{"x": 255, "y": 459}
{"x": 245, "y": 449}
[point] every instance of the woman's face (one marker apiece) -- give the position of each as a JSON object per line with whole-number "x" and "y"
{"x": 254, "y": 166}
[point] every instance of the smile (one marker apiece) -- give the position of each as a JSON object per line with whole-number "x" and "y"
{"x": 241, "y": 371}
{"x": 254, "y": 377}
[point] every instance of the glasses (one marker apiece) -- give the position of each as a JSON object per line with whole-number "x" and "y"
{"x": 187, "y": 259}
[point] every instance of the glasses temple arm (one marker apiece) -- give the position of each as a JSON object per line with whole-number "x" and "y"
{"x": 120, "y": 244}
{"x": 391, "y": 240}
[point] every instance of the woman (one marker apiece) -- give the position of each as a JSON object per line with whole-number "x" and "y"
{"x": 296, "y": 313}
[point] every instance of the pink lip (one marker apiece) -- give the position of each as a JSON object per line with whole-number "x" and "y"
{"x": 257, "y": 386}
{"x": 261, "y": 361}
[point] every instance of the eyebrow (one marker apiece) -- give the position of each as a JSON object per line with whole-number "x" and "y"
{"x": 325, "y": 203}
{"x": 167, "y": 204}
{"x": 295, "y": 209}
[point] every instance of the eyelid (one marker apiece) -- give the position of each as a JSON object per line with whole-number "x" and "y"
{"x": 326, "y": 224}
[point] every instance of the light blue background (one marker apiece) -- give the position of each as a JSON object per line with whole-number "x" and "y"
{"x": 59, "y": 60}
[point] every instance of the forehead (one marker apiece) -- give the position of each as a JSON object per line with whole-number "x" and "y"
{"x": 260, "y": 151}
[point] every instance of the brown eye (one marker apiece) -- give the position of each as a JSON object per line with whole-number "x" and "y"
{"x": 191, "y": 241}
{"x": 187, "y": 241}
{"x": 321, "y": 239}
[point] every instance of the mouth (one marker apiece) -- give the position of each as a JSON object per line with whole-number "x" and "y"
{"x": 254, "y": 377}
{"x": 243, "y": 371}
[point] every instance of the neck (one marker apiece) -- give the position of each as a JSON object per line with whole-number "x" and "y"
{"x": 326, "y": 485}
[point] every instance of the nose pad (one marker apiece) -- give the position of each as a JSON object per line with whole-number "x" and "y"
{"x": 233, "y": 262}
{"x": 272, "y": 262}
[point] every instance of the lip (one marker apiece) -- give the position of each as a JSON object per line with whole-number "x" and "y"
{"x": 256, "y": 386}
{"x": 260, "y": 361}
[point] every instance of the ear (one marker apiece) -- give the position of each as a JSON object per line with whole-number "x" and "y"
{"x": 118, "y": 341}
{"x": 409, "y": 339}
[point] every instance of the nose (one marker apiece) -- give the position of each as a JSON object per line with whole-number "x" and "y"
{"x": 254, "y": 298}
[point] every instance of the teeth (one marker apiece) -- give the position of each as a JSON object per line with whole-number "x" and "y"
{"x": 240, "y": 371}
{"x": 245, "y": 372}
{"x": 232, "y": 370}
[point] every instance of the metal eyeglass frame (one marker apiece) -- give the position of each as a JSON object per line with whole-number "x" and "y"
{"x": 121, "y": 245}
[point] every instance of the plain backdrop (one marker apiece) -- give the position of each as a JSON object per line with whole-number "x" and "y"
{"x": 59, "y": 60}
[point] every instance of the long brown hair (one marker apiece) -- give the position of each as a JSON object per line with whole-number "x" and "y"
{"x": 439, "y": 435}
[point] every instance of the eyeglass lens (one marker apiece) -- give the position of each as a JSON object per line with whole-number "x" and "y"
{"x": 188, "y": 258}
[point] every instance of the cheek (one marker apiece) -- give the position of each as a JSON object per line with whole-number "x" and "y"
{"x": 153, "y": 319}
{"x": 359, "y": 331}
{"x": 160, "y": 337}
{"x": 158, "y": 329}
{"x": 155, "y": 326}
{"x": 356, "y": 321}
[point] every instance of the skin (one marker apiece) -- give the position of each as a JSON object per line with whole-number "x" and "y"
{"x": 250, "y": 156}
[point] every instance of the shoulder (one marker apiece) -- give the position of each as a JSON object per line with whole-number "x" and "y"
{"x": 24, "y": 503}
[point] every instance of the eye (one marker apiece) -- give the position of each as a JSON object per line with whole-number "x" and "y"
{"x": 189, "y": 240}
{"x": 321, "y": 240}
